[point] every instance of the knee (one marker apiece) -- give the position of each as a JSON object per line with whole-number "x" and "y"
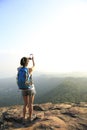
{"x": 30, "y": 105}
{"x": 25, "y": 104}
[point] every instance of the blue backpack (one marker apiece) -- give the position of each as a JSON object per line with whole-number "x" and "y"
{"x": 23, "y": 78}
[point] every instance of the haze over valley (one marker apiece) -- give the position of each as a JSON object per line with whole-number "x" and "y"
{"x": 53, "y": 88}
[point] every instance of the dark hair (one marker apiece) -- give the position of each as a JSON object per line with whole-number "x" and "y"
{"x": 23, "y": 61}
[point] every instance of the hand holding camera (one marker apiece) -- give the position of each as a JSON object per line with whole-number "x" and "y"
{"x": 31, "y": 57}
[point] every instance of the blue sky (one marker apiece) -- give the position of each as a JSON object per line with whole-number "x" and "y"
{"x": 54, "y": 31}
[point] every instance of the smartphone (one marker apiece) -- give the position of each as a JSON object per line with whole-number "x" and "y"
{"x": 30, "y": 57}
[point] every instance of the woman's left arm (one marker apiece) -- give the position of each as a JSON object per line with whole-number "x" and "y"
{"x": 32, "y": 68}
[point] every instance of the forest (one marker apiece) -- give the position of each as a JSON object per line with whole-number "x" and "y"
{"x": 49, "y": 88}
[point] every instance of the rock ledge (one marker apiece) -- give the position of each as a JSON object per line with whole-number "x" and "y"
{"x": 62, "y": 116}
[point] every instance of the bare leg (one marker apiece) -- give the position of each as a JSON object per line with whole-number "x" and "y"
{"x": 25, "y": 98}
{"x": 31, "y": 100}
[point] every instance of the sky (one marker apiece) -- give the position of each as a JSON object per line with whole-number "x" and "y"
{"x": 54, "y": 31}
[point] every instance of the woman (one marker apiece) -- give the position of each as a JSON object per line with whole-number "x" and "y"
{"x": 28, "y": 94}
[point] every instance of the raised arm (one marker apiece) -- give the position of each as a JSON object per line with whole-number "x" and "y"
{"x": 32, "y": 68}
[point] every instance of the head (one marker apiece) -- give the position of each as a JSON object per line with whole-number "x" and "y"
{"x": 24, "y": 61}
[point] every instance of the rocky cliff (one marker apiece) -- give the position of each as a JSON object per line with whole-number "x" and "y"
{"x": 64, "y": 116}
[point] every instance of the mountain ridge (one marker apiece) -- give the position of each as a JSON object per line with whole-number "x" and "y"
{"x": 48, "y": 89}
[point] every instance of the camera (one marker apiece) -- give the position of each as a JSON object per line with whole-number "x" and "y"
{"x": 30, "y": 57}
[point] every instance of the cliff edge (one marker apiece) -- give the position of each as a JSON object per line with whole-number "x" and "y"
{"x": 62, "y": 116}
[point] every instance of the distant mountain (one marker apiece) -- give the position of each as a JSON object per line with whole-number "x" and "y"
{"x": 70, "y": 90}
{"x": 49, "y": 87}
{"x": 62, "y": 74}
{"x": 11, "y": 95}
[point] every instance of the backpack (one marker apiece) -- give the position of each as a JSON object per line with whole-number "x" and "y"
{"x": 23, "y": 78}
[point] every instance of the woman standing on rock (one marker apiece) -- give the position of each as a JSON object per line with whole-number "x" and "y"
{"x": 28, "y": 90}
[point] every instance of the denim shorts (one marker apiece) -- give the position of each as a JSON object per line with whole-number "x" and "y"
{"x": 30, "y": 91}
